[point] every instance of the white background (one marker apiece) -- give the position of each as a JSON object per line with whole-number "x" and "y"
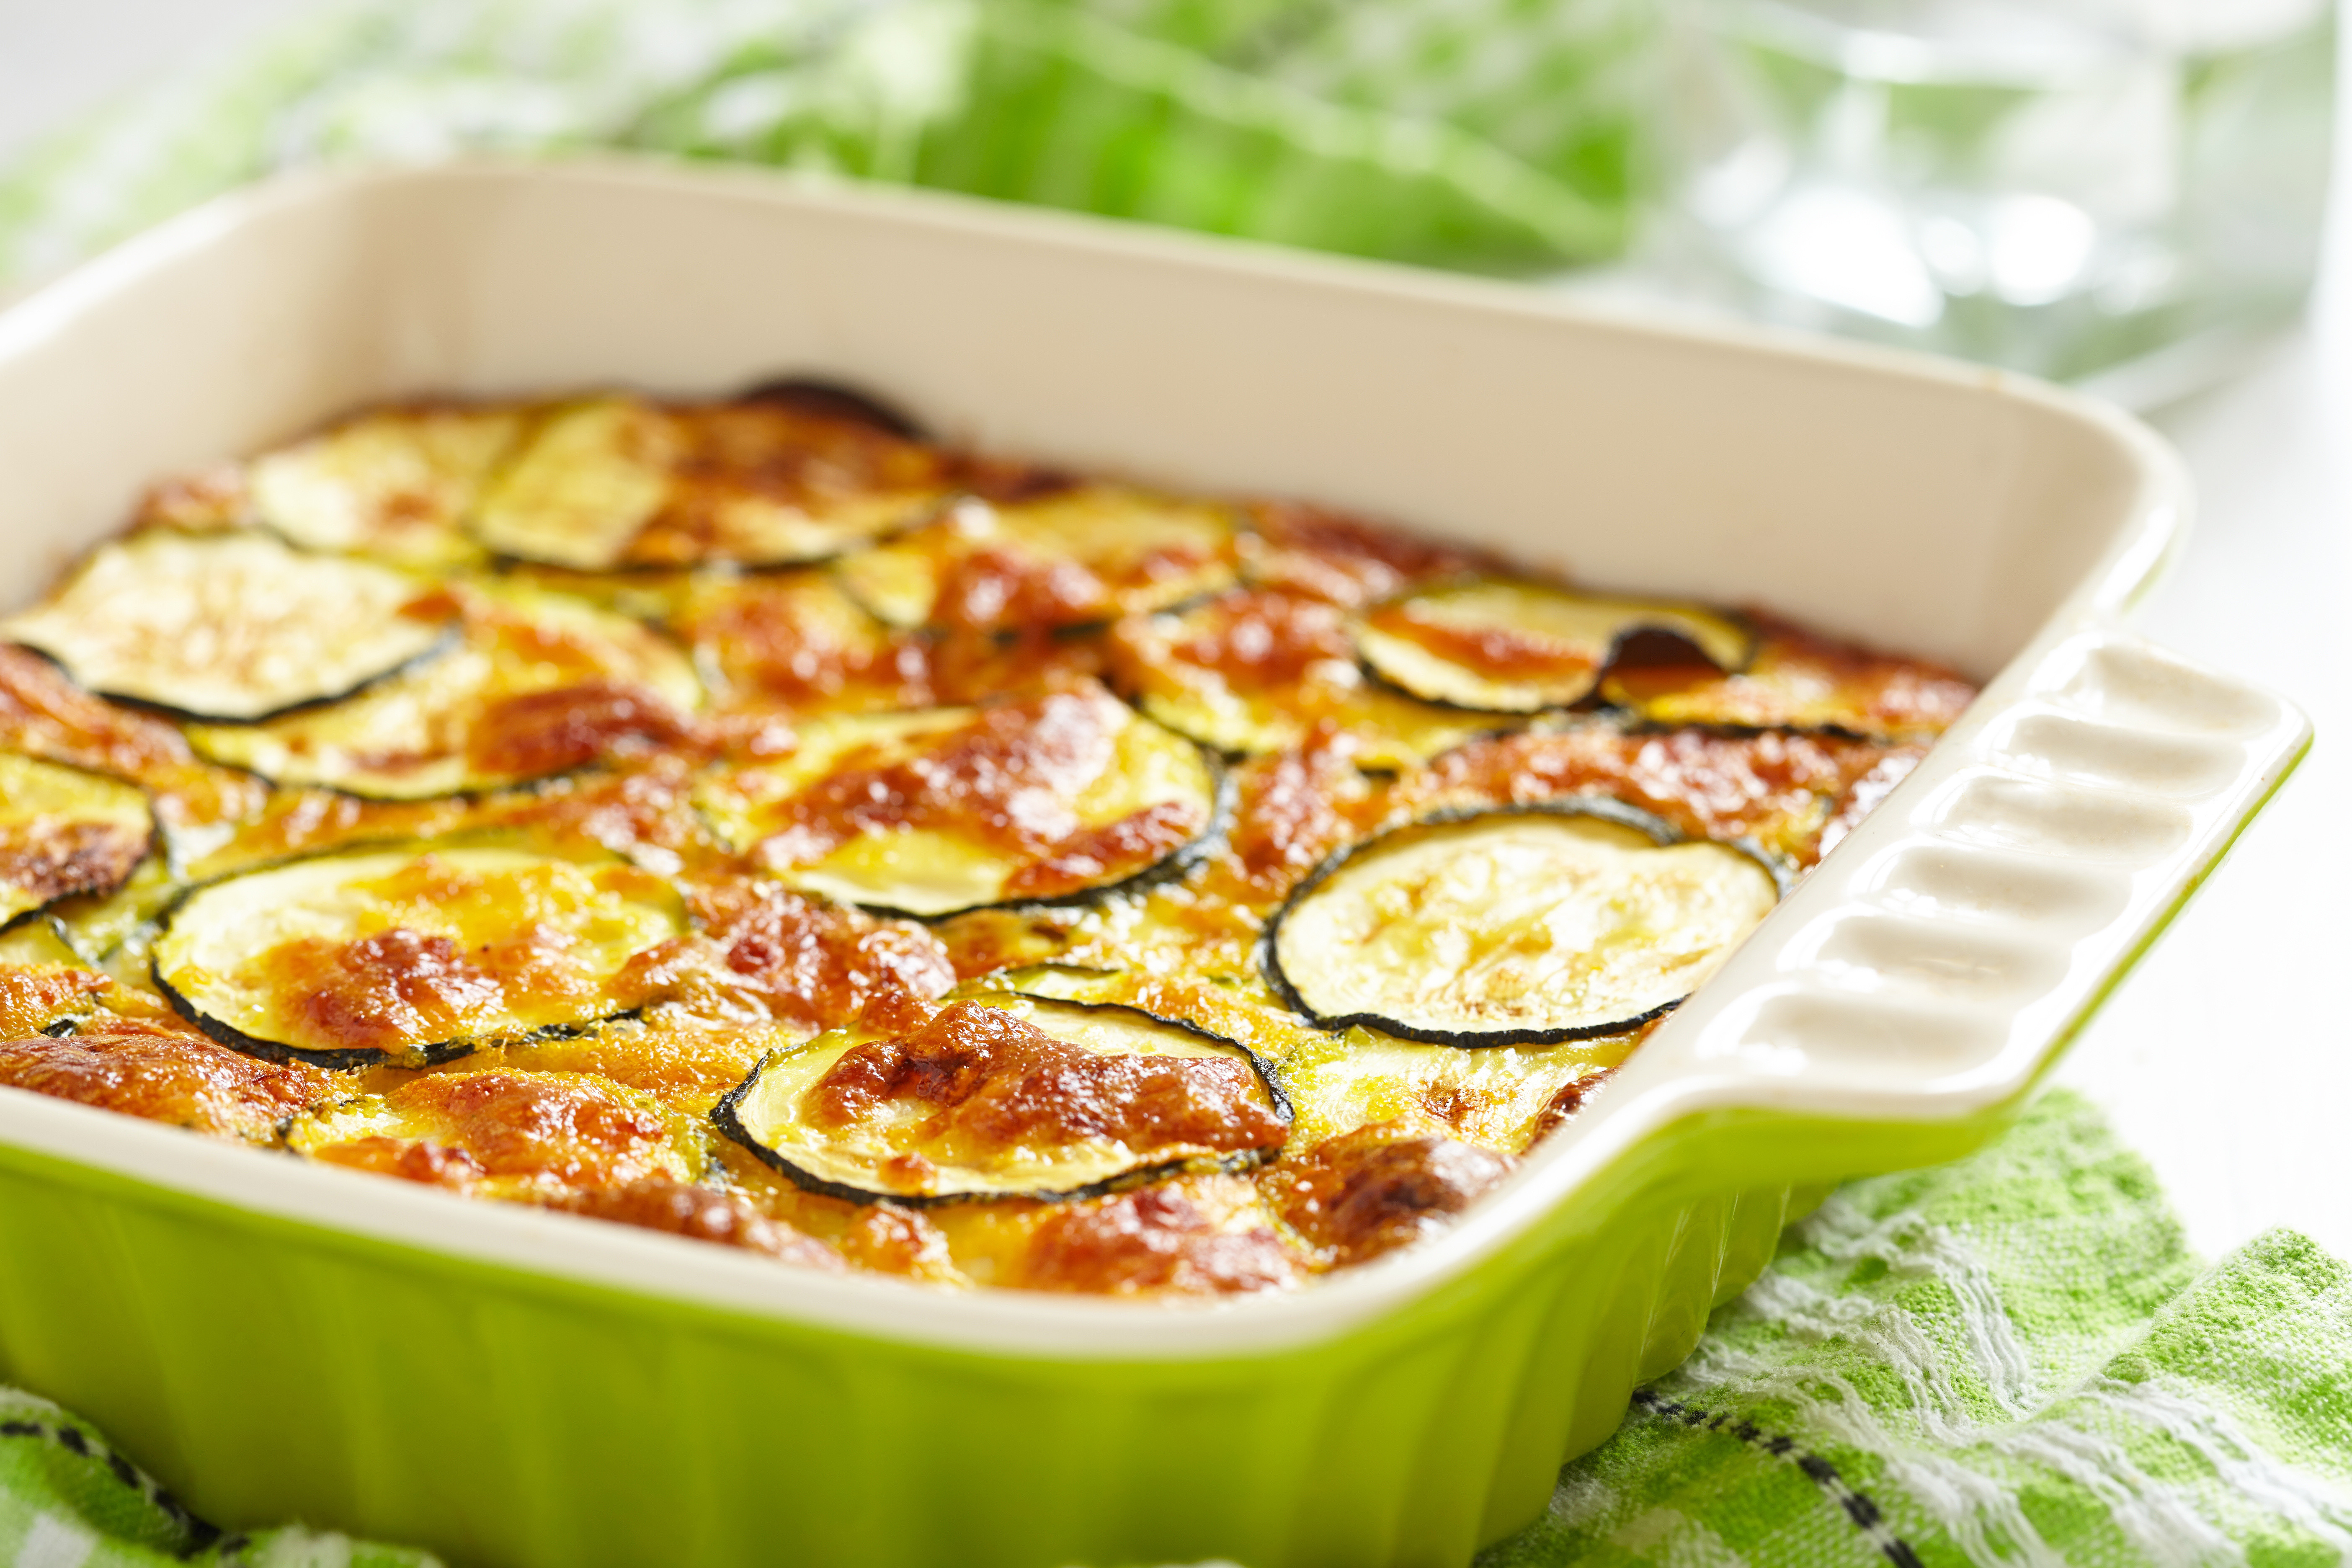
{"x": 2227, "y": 1058}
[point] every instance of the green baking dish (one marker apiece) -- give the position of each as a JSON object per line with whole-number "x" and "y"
{"x": 515, "y": 1387}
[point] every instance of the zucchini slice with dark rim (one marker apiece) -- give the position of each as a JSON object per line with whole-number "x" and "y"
{"x": 1069, "y": 795}
{"x": 619, "y": 482}
{"x": 63, "y": 832}
{"x": 1503, "y": 646}
{"x": 1500, "y": 1097}
{"x": 235, "y": 626}
{"x": 1527, "y": 924}
{"x": 409, "y": 955}
{"x": 1006, "y": 1096}
{"x": 541, "y": 683}
{"x": 395, "y": 484}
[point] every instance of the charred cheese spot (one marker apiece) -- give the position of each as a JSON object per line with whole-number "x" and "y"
{"x": 1511, "y": 646}
{"x": 540, "y": 684}
{"x": 1798, "y": 681}
{"x": 505, "y": 1133}
{"x": 931, "y": 813}
{"x": 620, "y": 482}
{"x": 230, "y": 625}
{"x": 397, "y": 483}
{"x": 400, "y": 956}
{"x": 163, "y": 1074}
{"x": 1379, "y": 1188}
{"x": 1257, "y": 672}
{"x": 63, "y": 832}
{"x": 1006, "y": 1096}
{"x": 1085, "y": 554}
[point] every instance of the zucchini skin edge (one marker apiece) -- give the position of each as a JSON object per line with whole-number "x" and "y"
{"x": 1609, "y": 808}
{"x": 723, "y": 1117}
{"x": 1171, "y": 866}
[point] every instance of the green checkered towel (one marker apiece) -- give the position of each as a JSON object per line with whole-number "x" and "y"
{"x": 2011, "y": 1359}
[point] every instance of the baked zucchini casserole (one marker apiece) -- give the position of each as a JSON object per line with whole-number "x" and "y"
{"x": 755, "y": 821}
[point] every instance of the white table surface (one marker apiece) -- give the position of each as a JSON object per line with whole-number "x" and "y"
{"x": 2227, "y": 1057}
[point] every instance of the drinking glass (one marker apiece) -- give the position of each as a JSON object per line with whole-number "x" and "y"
{"x": 2123, "y": 192}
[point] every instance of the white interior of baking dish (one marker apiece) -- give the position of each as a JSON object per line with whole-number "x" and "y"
{"x": 1928, "y": 969}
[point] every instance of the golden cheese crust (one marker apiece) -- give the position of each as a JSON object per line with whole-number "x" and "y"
{"x": 799, "y": 738}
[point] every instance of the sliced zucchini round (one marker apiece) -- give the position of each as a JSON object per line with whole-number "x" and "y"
{"x": 1560, "y": 922}
{"x": 1069, "y": 558}
{"x": 1501, "y": 1098}
{"x": 234, "y": 626}
{"x": 63, "y": 832}
{"x": 396, "y": 484}
{"x": 616, "y": 481}
{"x": 540, "y": 684}
{"x": 930, "y": 812}
{"x": 408, "y": 955}
{"x": 1006, "y": 1097}
{"x": 1503, "y": 646}
{"x": 585, "y": 481}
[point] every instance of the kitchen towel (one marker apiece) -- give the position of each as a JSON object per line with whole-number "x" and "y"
{"x": 2011, "y": 1359}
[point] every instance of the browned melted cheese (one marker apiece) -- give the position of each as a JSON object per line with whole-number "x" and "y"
{"x": 48, "y": 858}
{"x": 626, "y": 814}
{"x": 1771, "y": 787}
{"x": 1378, "y": 1188}
{"x": 212, "y": 498}
{"x": 1799, "y": 679}
{"x": 791, "y": 639}
{"x": 1294, "y": 808}
{"x": 549, "y": 1132}
{"x": 32, "y": 998}
{"x": 792, "y": 456}
{"x": 43, "y": 714}
{"x": 699, "y": 1214}
{"x": 998, "y": 1083}
{"x": 767, "y": 953}
{"x": 1863, "y": 795}
{"x": 537, "y": 733}
{"x": 1006, "y": 780}
{"x": 382, "y": 992}
{"x": 163, "y": 1074}
{"x": 1345, "y": 559}
{"x": 1153, "y": 1241}
{"x": 1498, "y": 652}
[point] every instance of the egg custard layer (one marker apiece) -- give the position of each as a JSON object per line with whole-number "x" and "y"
{"x": 753, "y": 821}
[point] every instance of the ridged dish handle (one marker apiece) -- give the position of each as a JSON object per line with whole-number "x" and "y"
{"x": 1968, "y": 926}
